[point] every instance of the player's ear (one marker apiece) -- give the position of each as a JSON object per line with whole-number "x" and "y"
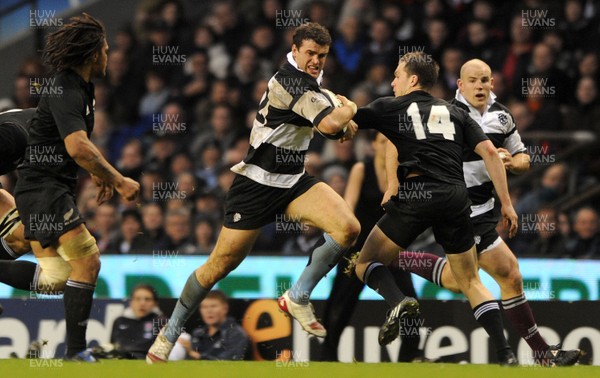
{"x": 294, "y": 50}
{"x": 459, "y": 84}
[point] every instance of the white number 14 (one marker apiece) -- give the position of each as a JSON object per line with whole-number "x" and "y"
{"x": 437, "y": 123}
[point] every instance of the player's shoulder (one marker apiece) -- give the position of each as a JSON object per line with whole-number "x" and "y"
{"x": 503, "y": 116}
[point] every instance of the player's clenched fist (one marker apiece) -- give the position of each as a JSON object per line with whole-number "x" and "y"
{"x": 128, "y": 188}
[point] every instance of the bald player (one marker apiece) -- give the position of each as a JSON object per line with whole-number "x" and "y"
{"x": 475, "y": 95}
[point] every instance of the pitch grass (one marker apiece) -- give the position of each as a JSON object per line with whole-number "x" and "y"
{"x": 269, "y": 369}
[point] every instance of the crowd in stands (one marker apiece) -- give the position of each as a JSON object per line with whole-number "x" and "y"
{"x": 185, "y": 78}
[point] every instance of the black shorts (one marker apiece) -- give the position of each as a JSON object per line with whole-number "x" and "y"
{"x": 47, "y": 209}
{"x": 250, "y": 205}
{"x": 484, "y": 226}
{"x": 423, "y": 202}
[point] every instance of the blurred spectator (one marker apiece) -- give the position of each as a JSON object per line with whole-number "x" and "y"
{"x": 197, "y": 81}
{"x": 155, "y": 97}
{"x": 177, "y": 229}
{"x": 131, "y": 238}
{"x": 382, "y": 49}
{"x": 227, "y": 25}
{"x": 124, "y": 92}
{"x": 452, "y": 60}
{"x": 547, "y": 242}
{"x": 586, "y": 242}
{"x": 134, "y": 332}
{"x": 553, "y": 184}
{"x": 336, "y": 176}
{"x": 131, "y": 162}
{"x": 480, "y": 45}
{"x": 208, "y": 205}
{"x": 209, "y": 162}
{"x": 204, "y": 235}
{"x": 204, "y": 38}
{"x": 220, "y": 338}
{"x": 437, "y": 33}
{"x": 148, "y": 182}
{"x": 554, "y": 82}
{"x": 172, "y": 14}
{"x": 102, "y": 134}
{"x": 585, "y": 115}
{"x": 152, "y": 220}
{"x": 263, "y": 41}
{"x": 247, "y": 70}
{"x": 577, "y": 28}
{"x": 182, "y": 163}
{"x": 24, "y": 93}
{"x": 522, "y": 115}
{"x": 588, "y": 66}
{"x": 348, "y": 47}
{"x": 221, "y": 130}
{"x": 106, "y": 228}
{"x": 517, "y": 55}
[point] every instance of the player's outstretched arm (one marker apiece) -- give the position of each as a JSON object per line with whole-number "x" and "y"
{"x": 495, "y": 168}
{"x": 391, "y": 171}
{"x": 88, "y": 157}
{"x": 335, "y": 121}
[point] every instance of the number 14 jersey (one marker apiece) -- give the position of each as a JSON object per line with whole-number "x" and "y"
{"x": 429, "y": 133}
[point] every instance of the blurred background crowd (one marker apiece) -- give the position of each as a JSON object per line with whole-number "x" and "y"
{"x": 184, "y": 80}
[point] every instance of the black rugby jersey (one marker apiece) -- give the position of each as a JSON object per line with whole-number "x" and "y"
{"x": 65, "y": 107}
{"x": 429, "y": 133}
{"x": 14, "y": 128}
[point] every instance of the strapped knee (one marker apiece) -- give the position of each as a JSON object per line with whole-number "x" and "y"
{"x": 82, "y": 245}
{"x": 51, "y": 275}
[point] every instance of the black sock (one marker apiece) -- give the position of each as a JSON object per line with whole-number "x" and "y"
{"x": 379, "y": 278}
{"x": 78, "y": 305}
{"x": 6, "y": 253}
{"x": 488, "y": 315}
{"x": 18, "y": 274}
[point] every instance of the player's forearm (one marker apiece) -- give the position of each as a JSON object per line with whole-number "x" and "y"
{"x": 520, "y": 164}
{"x": 391, "y": 166}
{"x": 335, "y": 121}
{"x": 90, "y": 159}
{"x": 497, "y": 173}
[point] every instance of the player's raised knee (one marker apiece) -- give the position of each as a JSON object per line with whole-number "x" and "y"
{"x": 348, "y": 233}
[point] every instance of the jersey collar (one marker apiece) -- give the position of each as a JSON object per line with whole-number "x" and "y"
{"x": 491, "y": 100}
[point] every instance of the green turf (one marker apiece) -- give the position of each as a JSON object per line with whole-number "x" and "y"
{"x": 269, "y": 369}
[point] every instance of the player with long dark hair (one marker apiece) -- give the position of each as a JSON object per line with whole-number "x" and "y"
{"x": 58, "y": 144}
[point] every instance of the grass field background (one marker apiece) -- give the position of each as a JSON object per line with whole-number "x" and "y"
{"x": 268, "y": 369}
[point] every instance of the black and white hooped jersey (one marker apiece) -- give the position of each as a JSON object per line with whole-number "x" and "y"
{"x": 499, "y": 125}
{"x": 283, "y": 128}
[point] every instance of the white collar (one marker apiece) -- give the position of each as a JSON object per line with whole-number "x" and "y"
{"x": 291, "y": 60}
{"x": 461, "y": 98}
